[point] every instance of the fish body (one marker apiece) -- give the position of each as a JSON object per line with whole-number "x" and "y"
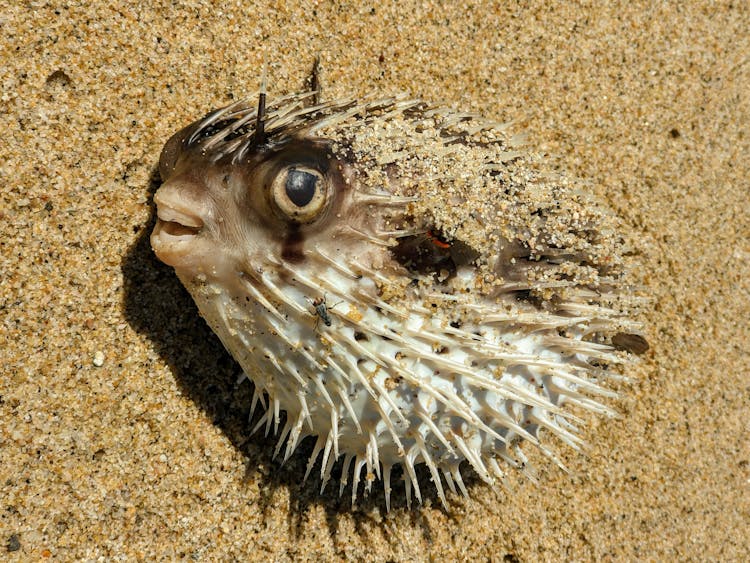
{"x": 399, "y": 278}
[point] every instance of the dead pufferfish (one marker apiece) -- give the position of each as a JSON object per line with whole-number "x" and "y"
{"x": 399, "y": 279}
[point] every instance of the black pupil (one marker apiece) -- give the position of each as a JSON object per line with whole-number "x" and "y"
{"x": 300, "y": 187}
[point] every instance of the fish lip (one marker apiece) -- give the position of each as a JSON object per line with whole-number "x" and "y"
{"x": 174, "y": 225}
{"x": 186, "y": 220}
{"x": 174, "y": 235}
{"x": 173, "y": 231}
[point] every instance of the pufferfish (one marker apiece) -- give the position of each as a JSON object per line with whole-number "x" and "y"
{"x": 403, "y": 280}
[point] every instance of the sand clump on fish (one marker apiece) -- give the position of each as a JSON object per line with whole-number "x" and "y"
{"x": 401, "y": 279}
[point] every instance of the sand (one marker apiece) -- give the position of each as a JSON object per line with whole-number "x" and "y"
{"x": 122, "y": 433}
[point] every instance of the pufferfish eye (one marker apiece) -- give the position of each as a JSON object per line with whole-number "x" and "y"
{"x": 300, "y": 193}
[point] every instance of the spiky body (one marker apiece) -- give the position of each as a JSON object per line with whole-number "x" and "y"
{"x": 441, "y": 301}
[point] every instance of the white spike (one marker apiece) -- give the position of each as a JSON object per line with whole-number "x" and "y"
{"x": 314, "y": 455}
{"x": 335, "y": 433}
{"x": 373, "y": 455}
{"x": 459, "y": 480}
{"x": 495, "y": 468}
{"x": 282, "y": 438}
{"x": 328, "y": 461}
{"x": 266, "y": 416}
{"x": 260, "y": 298}
{"x": 589, "y": 405}
{"x": 218, "y": 138}
{"x": 333, "y": 119}
{"x": 407, "y": 490}
{"x": 344, "y": 481}
{"x": 257, "y": 395}
{"x": 581, "y": 383}
{"x": 424, "y": 417}
{"x": 398, "y": 233}
{"x": 502, "y": 418}
{"x": 276, "y": 415}
{"x": 550, "y": 454}
{"x": 384, "y": 198}
{"x": 294, "y": 437}
{"x": 368, "y": 237}
{"x": 284, "y": 368}
{"x": 281, "y": 296}
{"x": 411, "y": 473}
{"x": 360, "y": 462}
{"x": 304, "y": 410}
{"x": 282, "y": 117}
{"x": 473, "y": 457}
{"x": 318, "y": 380}
{"x": 334, "y": 263}
{"x": 326, "y": 457}
{"x": 215, "y": 117}
{"x": 449, "y": 479}
{"x": 375, "y": 275}
{"x": 349, "y": 408}
{"x": 387, "y": 486}
{"x": 377, "y": 302}
{"x": 387, "y": 419}
{"x": 526, "y": 469}
{"x": 313, "y": 285}
{"x": 381, "y": 393}
{"x": 433, "y": 469}
{"x": 345, "y": 377}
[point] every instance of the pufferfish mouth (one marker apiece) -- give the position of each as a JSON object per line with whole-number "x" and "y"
{"x": 176, "y": 224}
{"x": 173, "y": 234}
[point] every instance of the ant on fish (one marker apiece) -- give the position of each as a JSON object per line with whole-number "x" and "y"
{"x": 321, "y": 309}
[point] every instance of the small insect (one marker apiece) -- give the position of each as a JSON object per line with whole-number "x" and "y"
{"x": 321, "y": 309}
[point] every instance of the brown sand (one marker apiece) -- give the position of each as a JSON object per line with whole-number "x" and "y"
{"x": 147, "y": 456}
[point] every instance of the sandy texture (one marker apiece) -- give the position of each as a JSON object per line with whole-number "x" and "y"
{"x": 121, "y": 431}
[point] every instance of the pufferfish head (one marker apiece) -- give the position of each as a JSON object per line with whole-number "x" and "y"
{"x": 217, "y": 212}
{"x": 398, "y": 279}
